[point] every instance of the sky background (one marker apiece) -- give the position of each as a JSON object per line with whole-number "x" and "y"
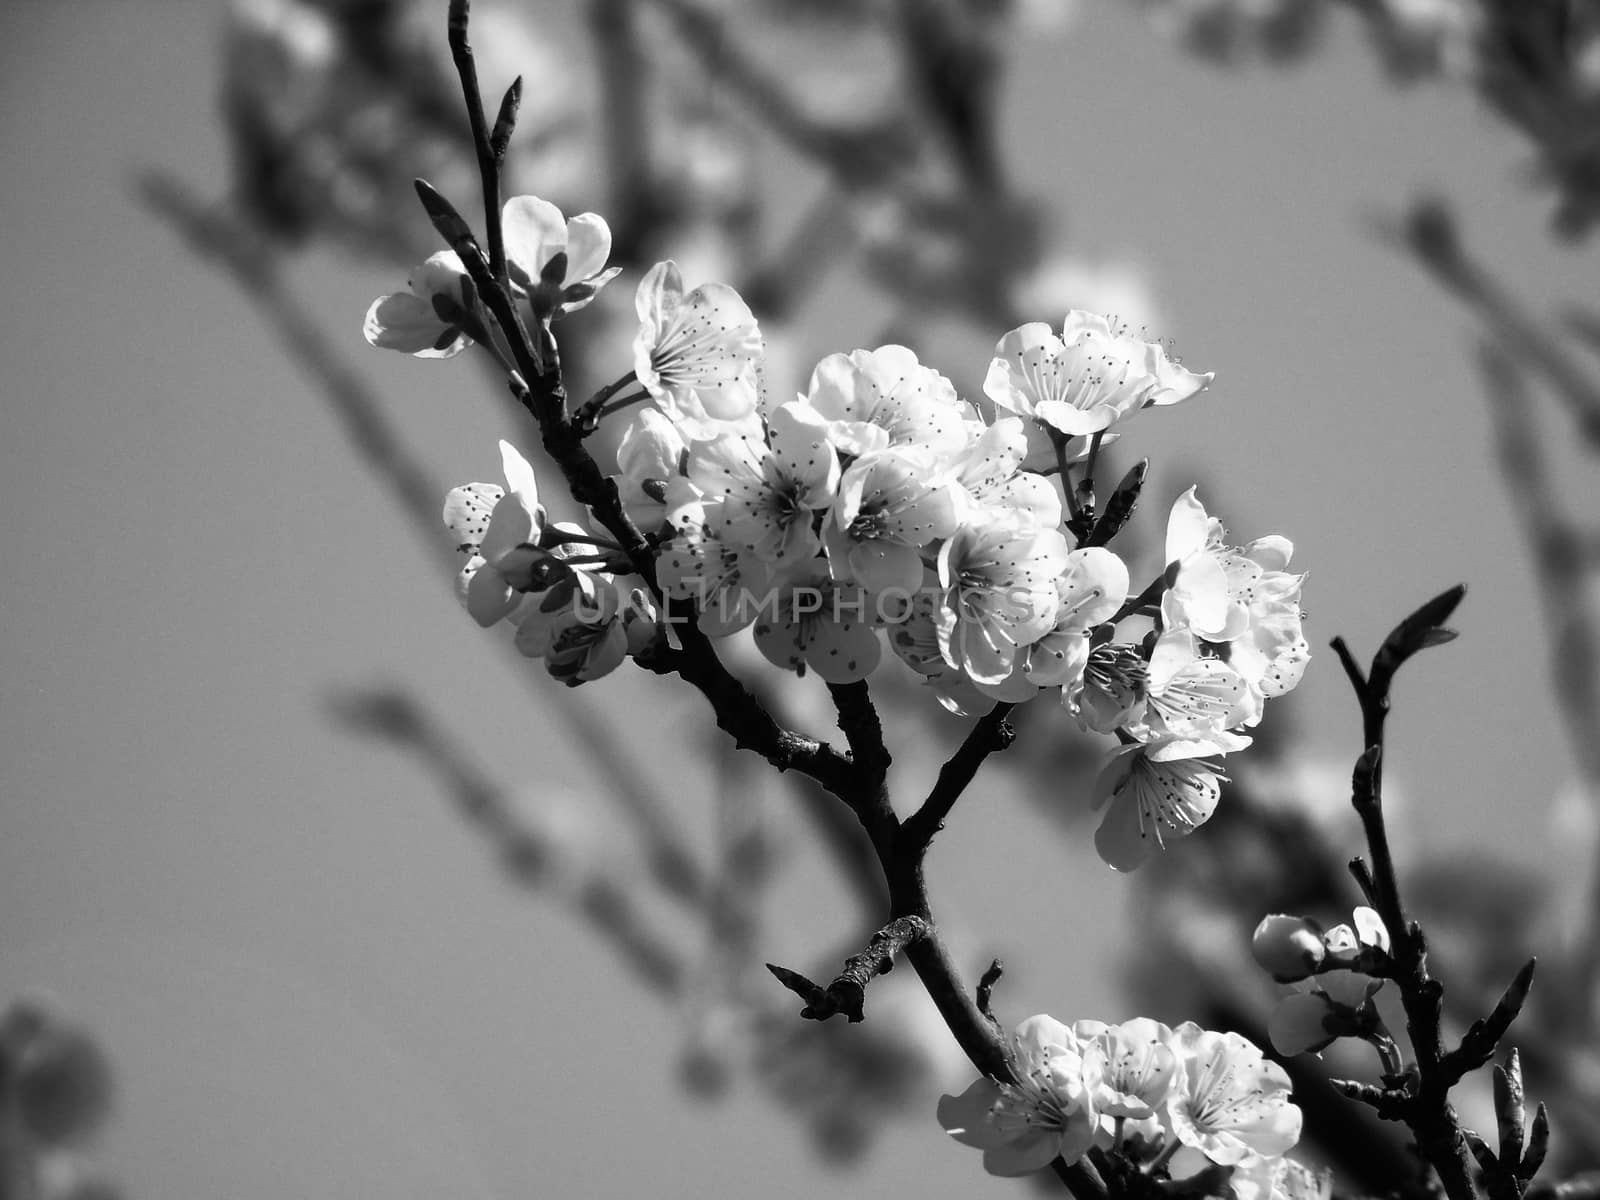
{"x": 311, "y": 978}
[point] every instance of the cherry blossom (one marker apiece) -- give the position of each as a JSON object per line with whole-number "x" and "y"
{"x": 1021, "y": 1127}
{"x": 1153, "y": 793}
{"x": 1129, "y": 1067}
{"x": 1090, "y": 590}
{"x": 555, "y": 265}
{"x": 1332, "y": 1005}
{"x": 993, "y": 483}
{"x": 1086, "y": 380}
{"x": 874, "y": 399}
{"x": 697, "y": 354}
{"x": 1236, "y": 596}
{"x": 1227, "y": 1100}
{"x": 999, "y": 585}
{"x": 1280, "y": 1179}
{"x": 501, "y": 531}
{"x": 437, "y": 318}
{"x": 769, "y": 493}
{"x": 891, "y": 503}
{"x": 726, "y": 583}
{"x": 653, "y": 489}
{"x": 809, "y": 621}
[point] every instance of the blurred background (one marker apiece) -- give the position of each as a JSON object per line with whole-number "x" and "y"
{"x": 355, "y": 901}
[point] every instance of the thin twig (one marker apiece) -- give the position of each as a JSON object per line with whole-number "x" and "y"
{"x": 992, "y": 733}
{"x": 1426, "y": 1108}
{"x": 848, "y": 991}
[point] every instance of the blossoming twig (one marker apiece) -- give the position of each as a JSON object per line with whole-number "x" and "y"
{"x": 1425, "y": 1103}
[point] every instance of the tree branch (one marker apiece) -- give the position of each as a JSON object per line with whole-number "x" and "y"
{"x": 992, "y": 733}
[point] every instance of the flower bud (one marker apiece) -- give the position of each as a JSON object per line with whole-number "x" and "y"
{"x": 1288, "y": 948}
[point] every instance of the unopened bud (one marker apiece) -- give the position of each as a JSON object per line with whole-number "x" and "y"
{"x": 1288, "y": 948}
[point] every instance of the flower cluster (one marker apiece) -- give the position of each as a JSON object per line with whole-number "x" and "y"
{"x": 1141, "y": 1088}
{"x": 881, "y": 506}
{"x": 1337, "y": 975}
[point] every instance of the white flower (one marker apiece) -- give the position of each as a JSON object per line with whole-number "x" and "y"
{"x": 698, "y": 354}
{"x": 1280, "y": 1179}
{"x": 501, "y": 531}
{"x": 891, "y": 503}
{"x": 1110, "y": 689}
{"x": 558, "y": 265}
{"x": 653, "y": 490}
{"x": 437, "y": 318}
{"x": 1022, "y": 1127}
{"x": 770, "y": 494}
{"x": 1238, "y": 597}
{"x": 1331, "y": 1005}
{"x": 874, "y": 399}
{"x": 1288, "y": 947}
{"x": 1157, "y": 792}
{"x": 581, "y": 626}
{"x": 994, "y": 484}
{"x": 1187, "y": 695}
{"x": 1086, "y": 380}
{"x": 1129, "y": 1067}
{"x": 999, "y": 595}
{"x": 727, "y": 584}
{"x": 1090, "y": 590}
{"x": 811, "y": 621}
{"x": 1227, "y": 1100}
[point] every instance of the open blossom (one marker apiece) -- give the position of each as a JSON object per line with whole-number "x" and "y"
{"x": 1129, "y": 1067}
{"x": 1280, "y": 1179}
{"x": 584, "y": 624}
{"x": 891, "y": 503}
{"x": 556, "y": 265}
{"x": 1090, "y": 591}
{"x": 993, "y": 483}
{"x": 874, "y": 399}
{"x": 698, "y": 355}
{"x": 1086, "y": 380}
{"x": 500, "y": 530}
{"x": 810, "y": 621}
{"x": 1331, "y": 1005}
{"x": 1238, "y": 596}
{"x": 999, "y": 595}
{"x": 770, "y": 493}
{"x": 1153, "y": 793}
{"x": 1021, "y": 1127}
{"x": 438, "y": 316}
{"x": 727, "y": 583}
{"x": 1227, "y": 1100}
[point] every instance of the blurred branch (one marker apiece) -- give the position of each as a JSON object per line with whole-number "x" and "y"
{"x": 1562, "y": 571}
{"x": 248, "y": 258}
{"x": 856, "y": 156}
{"x": 622, "y": 77}
{"x": 241, "y": 251}
{"x": 1429, "y": 233}
{"x": 535, "y": 858}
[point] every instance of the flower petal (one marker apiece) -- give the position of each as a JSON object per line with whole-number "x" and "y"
{"x": 535, "y": 232}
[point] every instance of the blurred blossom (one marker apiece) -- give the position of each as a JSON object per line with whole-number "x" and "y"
{"x": 55, "y": 1096}
{"x": 1424, "y": 36}
{"x": 1573, "y": 822}
{"x": 1063, "y": 282}
{"x": 1232, "y": 31}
